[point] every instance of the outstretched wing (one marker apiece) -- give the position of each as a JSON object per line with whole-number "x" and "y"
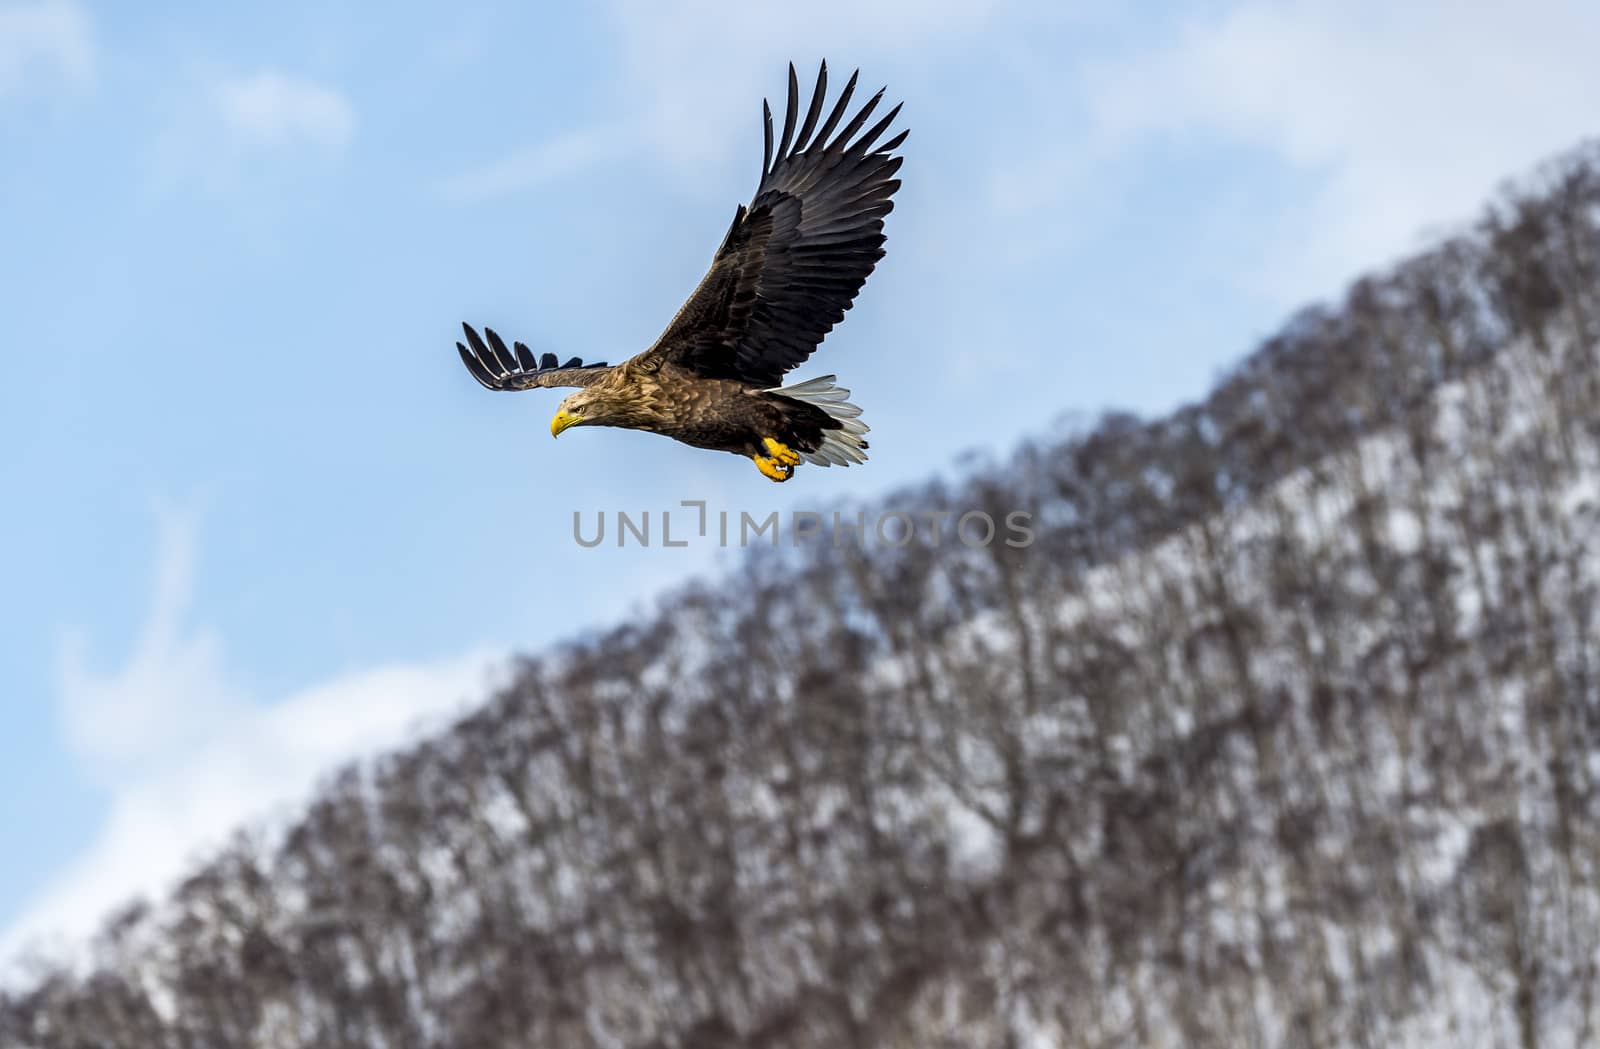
{"x": 792, "y": 263}
{"x": 499, "y": 368}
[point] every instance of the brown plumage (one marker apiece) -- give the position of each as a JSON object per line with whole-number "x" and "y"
{"x": 789, "y": 267}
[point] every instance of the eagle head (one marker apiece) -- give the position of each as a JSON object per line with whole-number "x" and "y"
{"x": 574, "y": 411}
{"x": 592, "y": 406}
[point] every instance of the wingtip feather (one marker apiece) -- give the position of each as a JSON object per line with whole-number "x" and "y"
{"x": 766, "y": 137}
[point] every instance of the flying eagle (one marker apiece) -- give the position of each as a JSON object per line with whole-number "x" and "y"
{"x": 788, "y": 269}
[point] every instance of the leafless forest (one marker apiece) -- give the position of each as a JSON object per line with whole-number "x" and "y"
{"x": 1285, "y": 732}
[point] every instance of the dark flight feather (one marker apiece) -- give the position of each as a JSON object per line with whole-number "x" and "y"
{"x": 499, "y": 368}
{"x": 794, "y": 261}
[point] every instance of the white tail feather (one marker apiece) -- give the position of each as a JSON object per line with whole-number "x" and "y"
{"x": 839, "y": 447}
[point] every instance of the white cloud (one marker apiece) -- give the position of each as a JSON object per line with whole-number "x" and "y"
{"x": 1409, "y": 114}
{"x": 172, "y": 692}
{"x": 187, "y": 758}
{"x": 245, "y": 136}
{"x": 560, "y": 157}
{"x": 274, "y": 109}
{"x": 692, "y": 74}
{"x": 699, "y": 66}
{"x": 49, "y": 39}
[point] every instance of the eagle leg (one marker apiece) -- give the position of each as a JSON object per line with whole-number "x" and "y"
{"x": 781, "y": 452}
{"x": 772, "y": 468}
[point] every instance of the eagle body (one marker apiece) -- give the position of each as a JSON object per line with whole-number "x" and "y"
{"x": 789, "y": 266}
{"x": 723, "y": 415}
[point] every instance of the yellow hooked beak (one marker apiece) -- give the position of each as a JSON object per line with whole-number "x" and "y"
{"x": 561, "y": 422}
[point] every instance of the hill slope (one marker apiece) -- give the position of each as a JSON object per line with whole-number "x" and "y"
{"x": 1285, "y": 731}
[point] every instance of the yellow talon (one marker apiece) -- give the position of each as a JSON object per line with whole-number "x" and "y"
{"x": 781, "y": 452}
{"x": 773, "y": 469}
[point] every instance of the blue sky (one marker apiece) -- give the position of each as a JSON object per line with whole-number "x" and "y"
{"x": 258, "y": 519}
